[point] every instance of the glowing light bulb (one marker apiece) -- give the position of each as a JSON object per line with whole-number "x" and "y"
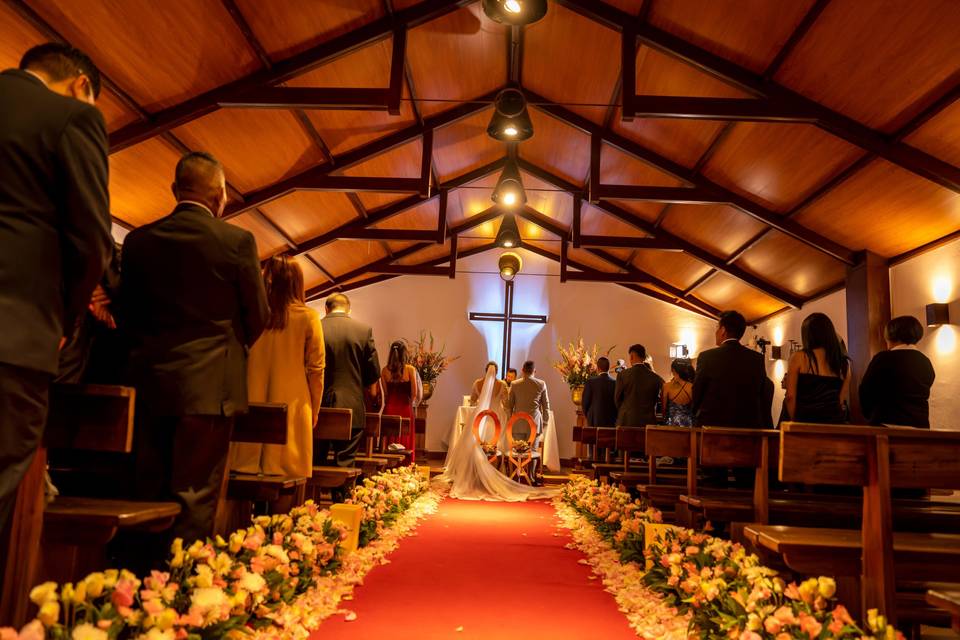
{"x": 508, "y": 243}
{"x": 513, "y": 6}
{"x": 942, "y": 288}
{"x": 510, "y": 198}
{"x": 510, "y": 130}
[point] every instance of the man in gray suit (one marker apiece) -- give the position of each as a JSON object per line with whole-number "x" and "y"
{"x": 352, "y": 369}
{"x": 529, "y": 395}
{"x": 638, "y": 389}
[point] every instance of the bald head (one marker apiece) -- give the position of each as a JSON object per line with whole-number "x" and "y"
{"x": 199, "y": 177}
{"x": 338, "y": 302}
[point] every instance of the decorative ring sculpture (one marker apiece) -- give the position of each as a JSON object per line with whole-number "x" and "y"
{"x": 497, "y": 429}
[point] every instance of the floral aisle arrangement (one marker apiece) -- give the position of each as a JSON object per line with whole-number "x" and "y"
{"x": 577, "y": 364}
{"x": 281, "y": 569}
{"x": 427, "y": 360}
{"x": 722, "y": 591}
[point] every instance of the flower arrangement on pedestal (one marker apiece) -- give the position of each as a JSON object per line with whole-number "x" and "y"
{"x": 577, "y": 364}
{"x": 428, "y": 361}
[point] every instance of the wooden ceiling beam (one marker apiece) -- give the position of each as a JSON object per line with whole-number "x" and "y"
{"x": 543, "y": 221}
{"x": 412, "y": 270}
{"x": 672, "y": 195}
{"x": 358, "y": 99}
{"x": 627, "y": 242}
{"x": 390, "y": 235}
{"x": 207, "y": 102}
{"x": 737, "y": 109}
{"x": 360, "y": 184}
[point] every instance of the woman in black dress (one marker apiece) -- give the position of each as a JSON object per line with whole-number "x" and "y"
{"x": 818, "y": 376}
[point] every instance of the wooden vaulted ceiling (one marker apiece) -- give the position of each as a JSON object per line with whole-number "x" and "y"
{"x": 765, "y": 143}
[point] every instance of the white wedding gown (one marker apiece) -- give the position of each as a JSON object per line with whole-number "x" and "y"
{"x": 470, "y": 475}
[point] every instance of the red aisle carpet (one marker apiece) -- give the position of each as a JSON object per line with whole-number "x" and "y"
{"x": 493, "y": 568}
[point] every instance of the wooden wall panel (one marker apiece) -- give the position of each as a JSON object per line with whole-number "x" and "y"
{"x": 678, "y": 269}
{"x": 305, "y": 214}
{"x": 571, "y": 59}
{"x": 140, "y": 179}
{"x": 548, "y": 200}
{"x": 312, "y": 276}
{"x": 778, "y": 164}
{"x": 884, "y": 209}
{"x": 463, "y": 146}
{"x": 597, "y": 223}
{"x": 256, "y": 146}
{"x": 457, "y": 57}
{"x": 879, "y": 62}
{"x": 422, "y": 217}
{"x": 368, "y": 67}
{"x": 269, "y": 242}
{"x": 792, "y": 265}
{"x": 719, "y": 229}
{"x": 683, "y": 141}
{"x": 557, "y": 147}
{"x": 287, "y": 27}
{"x": 940, "y": 136}
{"x": 345, "y": 255}
{"x": 430, "y": 253}
{"x": 173, "y": 53}
{"x": 747, "y": 32}
{"x": 726, "y": 292}
{"x": 401, "y": 162}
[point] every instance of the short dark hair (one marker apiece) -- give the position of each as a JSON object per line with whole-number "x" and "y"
{"x": 512, "y": 370}
{"x": 61, "y": 62}
{"x": 337, "y": 300}
{"x": 905, "y": 330}
{"x": 734, "y": 323}
{"x": 188, "y": 174}
{"x": 640, "y": 350}
{"x": 603, "y": 363}
{"x": 528, "y": 367}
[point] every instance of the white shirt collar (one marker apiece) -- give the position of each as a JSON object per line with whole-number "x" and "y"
{"x": 730, "y": 340}
{"x": 38, "y": 77}
{"x": 900, "y": 347}
{"x": 197, "y": 204}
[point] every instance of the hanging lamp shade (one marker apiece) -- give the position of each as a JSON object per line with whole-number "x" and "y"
{"x": 509, "y": 191}
{"x": 510, "y": 121}
{"x": 509, "y": 235}
{"x": 515, "y": 12}
{"x": 509, "y": 265}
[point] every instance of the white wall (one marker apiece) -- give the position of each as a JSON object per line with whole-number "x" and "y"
{"x": 603, "y": 313}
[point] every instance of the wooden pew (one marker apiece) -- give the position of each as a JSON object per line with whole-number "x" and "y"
{"x": 606, "y": 441}
{"x": 264, "y": 423}
{"x": 948, "y": 601}
{"x": 878, "y": 459}
{"x": 663, "y": 491}
{"x": 372, "y": 433}
{"x": 629, "y": 441}
{"x": 332, "y": 424}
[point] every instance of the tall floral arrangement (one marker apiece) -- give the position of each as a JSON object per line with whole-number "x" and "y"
{"x": 577, "y": 363}
{"x": 429, "y": 361}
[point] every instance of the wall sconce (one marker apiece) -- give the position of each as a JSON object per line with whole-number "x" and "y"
{"x": 938, "y": 313}
{"x": 678, "y": 350}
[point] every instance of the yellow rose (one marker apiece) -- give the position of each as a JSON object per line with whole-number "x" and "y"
{"x": 219, "y": 541}
{"x": 94, "y": 584}
{"x": 80, "y": 592}
{"x": 166, "y": 619}
{"x": 49, "y": 613}
{"x": 66, "y": 592}
{"x": 826, "y": 587}
{"x": 808, "y": 590}
{"x": 204, "y": 576}
{"x": 45, "y": 592}
{"x": 236, "y": 541}
{"x": 177, "y": 561}
{"x": 110, "y": 578}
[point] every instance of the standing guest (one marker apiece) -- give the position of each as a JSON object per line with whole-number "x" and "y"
{"x": 895, "y": 390}
{"x": 285, "y": 366}
{"x": 400, "y": 390}
{"x": 728, "y": 390}
{"x": 818, "y": 376}
{"x": 677, "y": 393}
{"x": 511, "y": 376}
{"x": 54, "y": 236}
{"x": 192, "y": 302}
{"x": 528, "y": 395}
{"x": 599, "y": 405}
{"x": 637, "y": 391}
{"x": 352, "y": 369}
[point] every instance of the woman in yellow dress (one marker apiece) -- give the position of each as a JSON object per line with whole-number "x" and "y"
{"x": 285, "y": 366}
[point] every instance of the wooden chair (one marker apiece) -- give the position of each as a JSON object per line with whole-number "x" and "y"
{"x": 264, "y": 423}
{"x": 494, "y": 456}
{"x": 878, "y": 459}
{"x": 372, "y": 434}
{"x": 520, "y": 463}
{"x": 606, "y": 441}
{"x": 332, "y": 424}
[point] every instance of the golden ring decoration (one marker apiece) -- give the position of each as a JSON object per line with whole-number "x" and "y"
{"x": 520, "y": 461}
{"x": 514, "y": 419}
{"x": 497, "y": 429}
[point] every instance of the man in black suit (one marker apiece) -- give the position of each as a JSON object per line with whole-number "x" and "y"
{"x": 353, "y": 368}
{"x": 731, "y": 388}
{"x": 193, "y": 302}
{"x": 637, "y": 391}
{"x": 54, "y": 236}
{"x": 599, "y": 405}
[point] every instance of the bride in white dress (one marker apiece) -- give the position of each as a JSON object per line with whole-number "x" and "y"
{"x": 467, "y": 471}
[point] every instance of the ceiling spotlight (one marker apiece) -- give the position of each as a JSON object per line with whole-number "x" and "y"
{"x": 509, "y": 265}
{"x": 516, "y": 12}
{"x": 509, "y": 190}
{"x": 510, "y": 121}
{"x": 509, "y": 235}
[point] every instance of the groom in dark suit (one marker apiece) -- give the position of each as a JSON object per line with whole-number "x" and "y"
{"x": 599, "y": 405}
{"x": 54, "y": 236}
{"x": 193, "y": 301}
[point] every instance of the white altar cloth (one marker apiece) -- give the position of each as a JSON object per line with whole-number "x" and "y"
{"x": 463, "y": 423}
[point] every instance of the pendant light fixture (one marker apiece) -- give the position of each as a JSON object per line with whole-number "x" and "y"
{"x": 509, "y": 192}
{"x": 515, "y": 12}
{"x": 510, "y": 121}
{"x": 509, "y": 265}
{"x": 509, "y": 235}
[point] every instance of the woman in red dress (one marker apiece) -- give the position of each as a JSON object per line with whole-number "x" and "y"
{"x": 400, "y": 389}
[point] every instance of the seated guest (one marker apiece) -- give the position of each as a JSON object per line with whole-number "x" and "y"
{"x": 511, "y": 376}
{"x": 818, "y": 376}
{"x": 192, "y": 301}
{"x": 728, "y": 390}
{"x": 637, "y": 391}
{"x": 54, "y": 237}
{"x": 399, "y": 381}
{"x": 352, "y": 371}
{"x": 895, "y": 389}
{"x": 285, "y": 366}
{"x": 599, "y": 405}
{"x": 677, "y": 392}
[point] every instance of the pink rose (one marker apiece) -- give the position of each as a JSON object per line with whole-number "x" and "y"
{"x": 772, "y": 625}
{"x": 122, "y": 595}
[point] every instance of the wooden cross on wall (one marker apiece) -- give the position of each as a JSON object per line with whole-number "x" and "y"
{"x": 507, "y": 318}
